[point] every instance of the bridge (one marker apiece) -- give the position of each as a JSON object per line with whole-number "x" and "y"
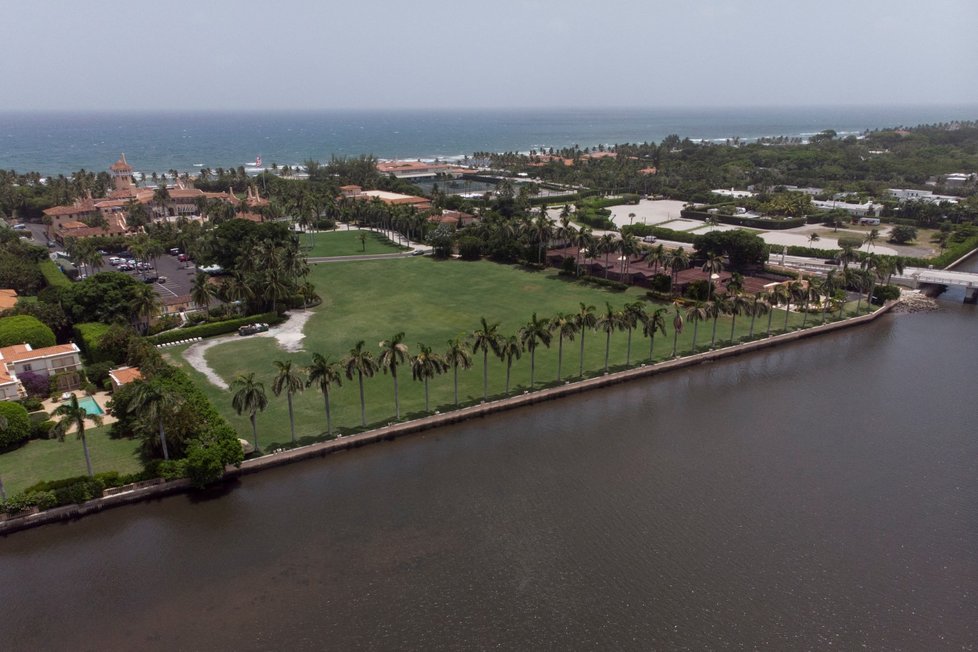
{"x": 915, "y": 276}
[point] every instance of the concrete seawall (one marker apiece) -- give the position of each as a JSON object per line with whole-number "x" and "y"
{"x": 393, "y": 431}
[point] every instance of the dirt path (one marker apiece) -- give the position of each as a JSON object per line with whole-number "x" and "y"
{"x": 289, "y": 336}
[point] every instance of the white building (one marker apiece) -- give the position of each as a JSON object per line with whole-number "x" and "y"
{"x": 912, "y": 194}
{"x": 57, "y": 361}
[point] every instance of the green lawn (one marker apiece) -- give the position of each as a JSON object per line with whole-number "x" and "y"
{"x": 49, "y": 459}
{"x": 347, "y": 243}
{"x": 430, "y": 301}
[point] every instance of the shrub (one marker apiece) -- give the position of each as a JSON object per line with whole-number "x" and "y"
{"x": 98, "y": 372}
{"x": 52, "y": 274}
{"x": 902, "y": 234}
{"x": 18, "y": 425}
{"x": 30, "y": 403}
{"x": 569, "y": 265}
{"x": 212, "y": 329}
{"x": 25, "y": 501}
{"x": 25, "y": 329}
{"x": 171, "y": 469}
{"x": 883, "y": 293}
{"x": 850, "y": 241}
{"x": 35, "y": 384}
{"x": 617, "y": 286}
{"x": 661, "y": 283}
{"x": 88, "y": 336}
{"x": 469, "y": 248}
{"x": 42, "y": 429}
{"x": 324, "y": 224}
{"x": 70, "y": 490}
{"x": 165, "y": 323}
{"x": 697, "y": 290}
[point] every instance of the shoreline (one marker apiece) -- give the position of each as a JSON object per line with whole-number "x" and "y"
{"x": 157, "y": 488}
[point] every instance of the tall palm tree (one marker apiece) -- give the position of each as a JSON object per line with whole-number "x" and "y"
{"x": 486, "y": 338}
{"x": 534, "y": 332}
{"x": 510, "y": 349}
{"x": 324, "y": 374}
{"x": 696, "y": 313}
{"x": 656, "y": 256}
{"x": 585, "y": 320}
{"x": 457, "y": 356}
{"x": 794, "y": 290}
{"x": 393, "y": 352}
{"x": 632, "y": 314}
{"x": 737, "y": 304}
{"x": 607, "y": 244}
{"x": 779, "y": 294}
{"x": 145, "y": 303}
{"x": 425, "y": 366}
{"x": 566, "y": 327}
{"x": 654, "y": 322}
{"x": 677, "y": 328}
{"x": 201, "y": 291}
{"x": 610, "y": 321}
{"x": 359, "y": 361}
{"x": 582, "y": 239}
{"x": 290, "y": 381}
{"x": 713, "y": 265}
{"x": 249, "y": 397}
{"x": 156, "y": 402}
{"x": 678, "y": 261}
{"x": 73, "y": 415}
{"x": 761, "y": 305}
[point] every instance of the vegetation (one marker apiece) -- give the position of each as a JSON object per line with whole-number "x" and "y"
{"x": 22, "y": 329}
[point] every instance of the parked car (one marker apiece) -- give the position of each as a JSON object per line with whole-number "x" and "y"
{"x": 125, "y": 267}
{"x": 649, "y": 238}
{"x": 161, "y": 280}
{"x": 175, "y": 251}
{"x": 114, "y": 261}
{"x": 251, "y": 329}
{"x": 183, "y": 258}
{"x": 150, "y": 279}
{"x": 20, "y": 227}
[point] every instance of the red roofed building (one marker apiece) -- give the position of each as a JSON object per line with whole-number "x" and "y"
{"x": 60, "y": 362}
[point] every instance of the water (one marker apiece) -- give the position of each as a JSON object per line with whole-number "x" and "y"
{"x": 821, "y": 495}
{"x": 53, "y": 143}
{"x": 90, "y": 406}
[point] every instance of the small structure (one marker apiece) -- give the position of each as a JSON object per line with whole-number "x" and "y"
{"x": 124, "y": 375}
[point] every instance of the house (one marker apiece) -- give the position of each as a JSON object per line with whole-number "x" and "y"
{"x": 389, "y": 198}
{"x": 61, "y": 362}
{"x": 417, "y": 169}
{"x": 455, "y": 218}
{"x": 175, "y": 305}
{"x": 912, "y": 194}
{"x": 123, "y": 375}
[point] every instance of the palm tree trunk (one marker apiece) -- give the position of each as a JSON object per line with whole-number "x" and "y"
{"x": 426, "y": 395}
{"x": 397, "y": 402}
{"x": 456, "y": 385}
{"x": 696, "y": 328}
{"x": 166, "y": 453}
{"x": 770, "y": 316}
{"x": 675, "y": 341}
{"x": 288, "y": 397}
{"x": 628, "y": 351}
{"x": 485, "y": 374}
{"x": 733, "y": 324}
{"x": 509, "y": 365}
{"x": 329, "y": 421}
{"x": 753, "y": 317}
{"x": 363, "y": 404}
{"x": 254, "y": 428}
{"x": 88, "y": 459}
{"x": 533, "y": 363}
{"x": 713, "y": 341}
{"x": 607, "y": 351}
{"x": 560, "y": 354}
{"x": 581, "y": 374}
{"x": 651, "y": 344}
{"x": 787, "y": 313}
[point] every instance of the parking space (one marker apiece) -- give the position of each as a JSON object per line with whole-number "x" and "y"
{"x": 178, "y": 275}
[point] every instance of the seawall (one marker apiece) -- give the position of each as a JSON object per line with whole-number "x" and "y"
{"x": 393, "y": 431}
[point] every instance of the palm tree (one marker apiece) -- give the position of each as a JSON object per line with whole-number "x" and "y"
{"x": 536, "y": 331}
{"x": 324, "y": 374}
{"x": 393, "y": 353}
{"x": 425, "y": 366}
{"x": 677, "y": 328}
{"x": 737, "y": 304}
{"x": 359, "y": 361}
{"x": 721, "y": 306}
{"x": 713, "y": 265}
{"x": 73, "y": 415}
{"x": 652, "y": 323}
{"x": 656, "y": 256}
{"x": 486, "y": 339}
{"x": 611, "y": 321}
{"x": 632, "y": 314}
{"x": 510, "y": 349}
{"x": 156, "y": 402}
{"x": 249, "y": 396}
{"x": 607, "y": 244}
{"x": 582, "y": 239}
{"x": 678, "y": 261}
{"x": 290, "y": 381}
{"x": 696, "y": 313}
{"x": 201, "y": 291}
{"x": 585, "y": 320}
{"x": 794, "y": 291}
{"x": 564, "y": 326}
{"x": 458, "y": 356}
{"x": 812, "y": 239}
{"x": 779, "y": 294}
{"x": 760, "y": 306}
{"x": 871, "y": 238}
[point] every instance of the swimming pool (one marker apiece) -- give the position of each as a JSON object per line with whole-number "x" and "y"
{"x": 88, "y": 404}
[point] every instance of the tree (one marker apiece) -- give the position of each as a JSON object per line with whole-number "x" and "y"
{"x": 737, "y": 304}
{"x": 812, "y": 239}
{"x": 632, "y": 315}
{"x": 458, "y": 356}
{"x": 324, "y": 373}
{"x": 201, "y": 291}
{"x": 486, "y": 338}
{"x": 610, "y": 321}
{"x": 144, "y": 305}
{"x": 24, "y": 329}
{"x": 712, "y": 266}
{"x": 585, "y": 320}
{"x": 534, "y": 332}
{"x": 759, "y": 307}
{"x": 359, "y": 361}
{"x": 249, "y": 397}
{"x": 902, "y": 234}
{"x": 425, "y": 366}
{"x": 794, "y": 291}
{"x": 652, "y": 323}
{"x": 871, "y": 238}
{"x": 696, "y": 313}
{"x": 742, "y": 248}
{"x": 677, "y": 261}
{"x": 156, "y": 402}
{"x": 677, "y": 328}
{"x": 15, "y": 425}
{"x": 779, "y": 294}
{"x": 566, "y": 327}
{"x": 74, "y": 416}
{"x": 393, "y": 352}
{"x": 510, "y": 349}
{"x": 290, "y": 381}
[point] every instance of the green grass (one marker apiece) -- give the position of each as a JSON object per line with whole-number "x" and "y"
{"x": 430, "y": 301}
{"x": 347, "y": 243}
{"x": 49, "y": 459}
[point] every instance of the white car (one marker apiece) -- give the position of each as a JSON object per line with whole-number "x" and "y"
{"x": 649, "y": 238}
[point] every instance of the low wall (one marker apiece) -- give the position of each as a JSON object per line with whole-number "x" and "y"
{"x": 396, "y": 430}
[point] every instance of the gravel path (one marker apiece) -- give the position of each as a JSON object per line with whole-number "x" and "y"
{"x": 289, "y": 336}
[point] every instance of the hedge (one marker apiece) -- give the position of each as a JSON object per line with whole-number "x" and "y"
{"x": 88, "y": 337}
{"x": 661, "y": 232}
{"x": 212, "y": 329}
{"x": 21, "y": 329}
{"x": 52, "y": 274}
{"x": 754, "y": 222}
{"x": 950, "y": 255}
{"x": 18, "y": 425}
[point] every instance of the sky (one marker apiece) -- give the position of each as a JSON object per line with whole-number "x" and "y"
{"x": 326, "y": 54}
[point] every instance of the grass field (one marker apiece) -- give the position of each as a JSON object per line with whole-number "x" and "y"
{"x": 347, "y": 243}
{"x": 49, "y": 459}
{"x": 430, "y": 301}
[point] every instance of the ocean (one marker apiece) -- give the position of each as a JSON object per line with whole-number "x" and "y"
{"x": 63, "y": 142}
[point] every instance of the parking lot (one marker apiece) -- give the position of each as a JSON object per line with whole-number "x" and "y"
{"x": 179, "y": 276}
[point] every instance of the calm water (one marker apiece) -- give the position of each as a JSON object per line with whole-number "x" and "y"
{"x": 53, "y": 143}
{"x": 824, "y": 495}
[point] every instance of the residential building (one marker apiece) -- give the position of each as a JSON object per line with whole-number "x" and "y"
{"x": 61, "y": 362}
{"x": 912, "y": 194}
{"x": 122, "y": 375}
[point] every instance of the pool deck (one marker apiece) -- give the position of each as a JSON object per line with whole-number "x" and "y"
{"x": 102, "y": 398}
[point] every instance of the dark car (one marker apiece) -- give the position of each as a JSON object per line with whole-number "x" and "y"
{"x": 251, "y": 329}
{"x": 151, "y": 279}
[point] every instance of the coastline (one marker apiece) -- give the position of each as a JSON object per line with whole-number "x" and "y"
{"x": 157, "y": 488}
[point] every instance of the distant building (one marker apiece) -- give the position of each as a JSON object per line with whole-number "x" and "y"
{"x": 389, "y": 198}
{"x": 455, "y": 218}
{"x": 852, "y": 209}
{"x": 736, "y": 194}
{"x": 957, "y": 179}
{"x": 123, "y": 375}
{"x": 417, "y": 169}
{"x": 911, "y": 194}
{"x": 61, "y": 362}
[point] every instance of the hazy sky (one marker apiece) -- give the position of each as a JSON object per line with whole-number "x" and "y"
{"x": 309, "y": 54}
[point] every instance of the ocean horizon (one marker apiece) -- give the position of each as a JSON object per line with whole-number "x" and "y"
{"x": 61, "y": 142}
